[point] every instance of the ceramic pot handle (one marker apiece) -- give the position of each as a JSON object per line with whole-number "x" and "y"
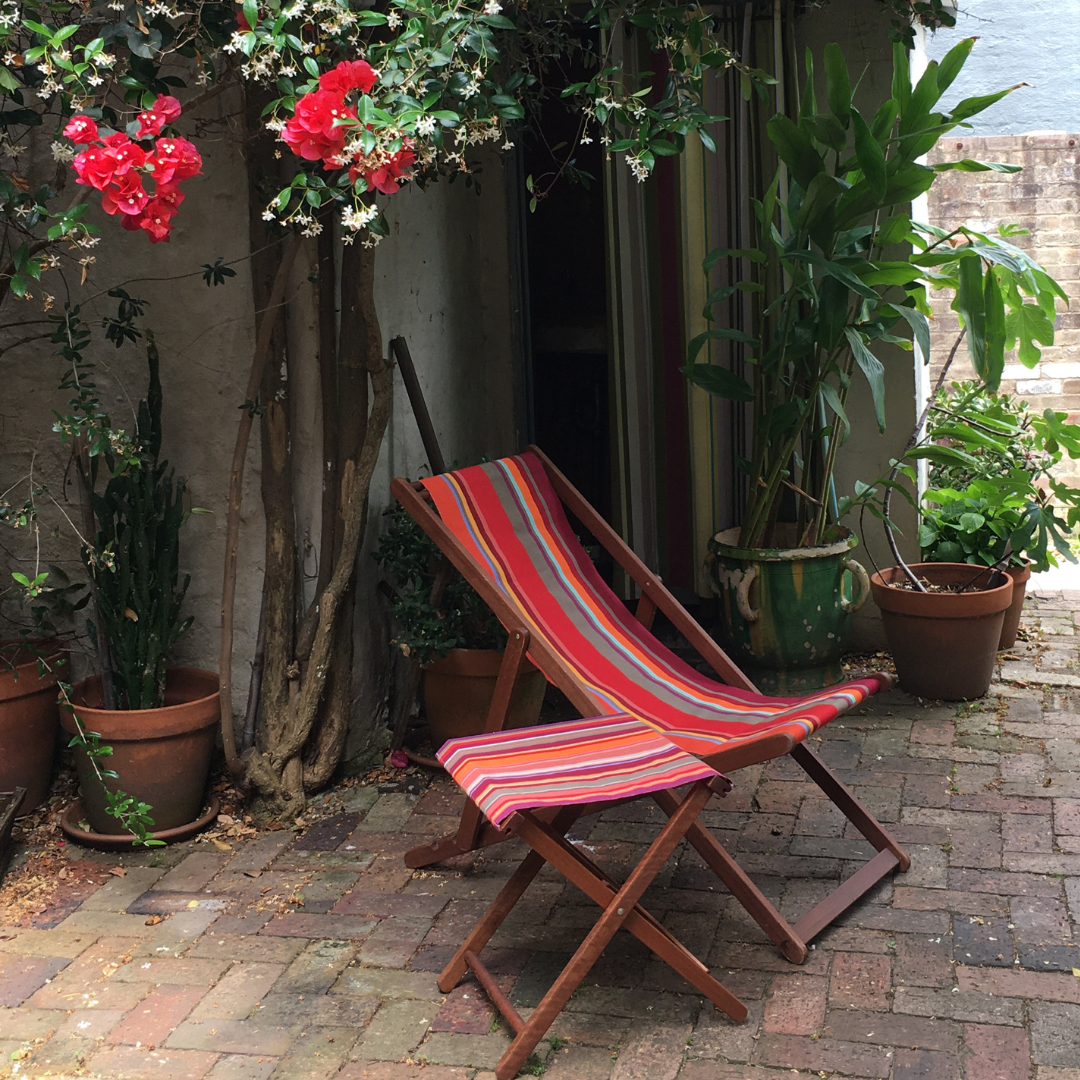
{"x": 858, "y": 573}
{"x": 742, "y": 595}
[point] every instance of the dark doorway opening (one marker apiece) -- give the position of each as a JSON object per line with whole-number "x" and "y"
{"x": 568, "y": 376}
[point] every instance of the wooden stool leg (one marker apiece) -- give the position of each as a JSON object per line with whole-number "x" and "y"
{"x": 613, "y": 917}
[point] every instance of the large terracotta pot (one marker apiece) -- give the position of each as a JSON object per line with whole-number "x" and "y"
{"x": 1019, "y": 575}
{"x": 28, "y": 725}
{"x": 944, "y": 644}
{"x": 162, "y": 755}
{"x": 786, "y": 612}
{"x": 458, "y": 690}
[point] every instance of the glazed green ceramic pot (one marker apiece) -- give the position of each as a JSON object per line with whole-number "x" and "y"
{"x": 785, "y": 613}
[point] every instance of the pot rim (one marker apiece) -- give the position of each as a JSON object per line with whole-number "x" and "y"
{"x": 721, "y": 544}
{"x": 134, "y": 725}
{"x": 474, "y": 663}
{"x": 939, "y": 605}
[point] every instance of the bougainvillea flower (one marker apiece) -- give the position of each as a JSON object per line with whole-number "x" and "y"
{"x": 169, "y": 196}
{"x": 129, "y": 155}
{"x": 95, "y": 167}
{"x": 169, "y": 106}
{"x": 349, "y": 75}
{"x": 386, "y": 177}
{"x": 127, "y": 196}
{"x": 174, "y": 159}
{"x": 81, "y": 130}
{"x": 155, "y": 221}
{"x": 311, "y": 133}
{"x": 150, "y": 123}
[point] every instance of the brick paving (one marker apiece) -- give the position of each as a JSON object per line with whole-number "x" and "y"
{"x": 315, "y": 956}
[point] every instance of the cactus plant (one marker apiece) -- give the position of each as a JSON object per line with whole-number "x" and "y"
{"x": 134, "y": 558}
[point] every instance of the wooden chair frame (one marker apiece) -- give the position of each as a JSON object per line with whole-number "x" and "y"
{"x": 474, "y": 832}
{"x": 620, "y": 908}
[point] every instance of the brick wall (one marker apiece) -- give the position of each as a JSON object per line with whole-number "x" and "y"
{"x": 1045, "y": 199}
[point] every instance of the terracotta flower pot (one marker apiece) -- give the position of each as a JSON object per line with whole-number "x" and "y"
{"x": 161, "y": 755}
{"x": 28, "y": 726}
{"x": 944, "y": 644}
{"x": 458, "y": 690}
{"x": 1019, "y": 575}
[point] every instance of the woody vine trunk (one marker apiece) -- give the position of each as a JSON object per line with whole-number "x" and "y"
{"x": 304, "y": 706}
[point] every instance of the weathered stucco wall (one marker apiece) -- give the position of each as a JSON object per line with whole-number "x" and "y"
{"x": 443, "y": 282}
{"x": 1036, "y": 42}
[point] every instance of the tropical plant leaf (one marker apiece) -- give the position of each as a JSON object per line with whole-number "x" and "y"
{"x": 719, "y": 381}
{"x": 970, "y": 165}
{"x": 795, "y": 149}
{"x": 872, "y": 368}
{"x": 870, "y": 155}
{"x": 837, "y": 83}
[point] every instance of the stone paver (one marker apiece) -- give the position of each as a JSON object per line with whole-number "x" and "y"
{"x": 316, "y": 955}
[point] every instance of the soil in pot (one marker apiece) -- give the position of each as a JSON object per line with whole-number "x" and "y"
{"x": 459, "y": 687}
{"x": 29, "y": 723}
{"x": 162, "y": 755}
{"x": 944, "y": 642}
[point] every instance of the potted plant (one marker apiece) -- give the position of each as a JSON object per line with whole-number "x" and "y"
{"x": 946, "y": 618}
{"x": 1003, "y": 498}
{"x": 454, "y": 636}
{"x": 154, "y": 725}
{"x": 839, "y": 269}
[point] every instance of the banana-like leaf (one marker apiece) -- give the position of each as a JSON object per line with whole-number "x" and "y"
{"x": 870, "y": 155}
{"x": 872, "y": 368}
{"x": 837, "y": 83}
{"x": 970, "y": 165}
{"x": 795, "y": 149}
{"x": 719, "y": 381}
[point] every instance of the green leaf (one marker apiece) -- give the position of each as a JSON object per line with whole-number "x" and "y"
{"x": 251, "y": 13}
{"x": 311, "y": 67}
{"x": 832, "y": 398}
{"x": 795, "y": 150}
{"x": 833, "y": 269}
{"x": 943, "y": 455}
{"x": 969, "y": 165}
{"x": 994, "y": 306}
{"x": 872, "y": 368}
{"x": 837, "y": 84}
{"x": 719, "y": 382}
{"x": 870, "y": 155}
{"x": 920, "y": 327}
{"x": 952, "y": 62}
{"x": 8, "y": 81}
{"x": 719, "y": 334}
{"x": 714, "y": 256}
{"x": 1028, "y": 324}
{"x": 901, "y": 80}
{"x": 823, "y": 191}
{"x": 826, "y": 129}
{"x": 968, "y": 304}
{"x": 973, "y": 105}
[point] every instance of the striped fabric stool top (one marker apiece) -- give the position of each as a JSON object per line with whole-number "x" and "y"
{"x": 584, "y": 761}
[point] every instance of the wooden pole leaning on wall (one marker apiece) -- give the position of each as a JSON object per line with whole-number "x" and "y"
{"x": 400, "y": 348}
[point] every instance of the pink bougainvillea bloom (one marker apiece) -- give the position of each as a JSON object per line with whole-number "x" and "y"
{"x": 95, "y": 167}
{"x": 155, "y": 221}
{"x": 385, "y": 178}
{"x": 310, "y": 133}
{"x": 81, "y": 129}
{"x": 349, "y": 75}
{"x": 169, "y": 196}
{"x": 128, "y": 155}
{"x": 150, "y": 123}
{"x": 127, "y": 196}
{"x": 168, "y": 106}
{"x": 174, "y": 159}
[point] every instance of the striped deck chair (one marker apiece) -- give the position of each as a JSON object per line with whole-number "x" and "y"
{"x": 503, "y": 525}
{"x": 571, "y": 769}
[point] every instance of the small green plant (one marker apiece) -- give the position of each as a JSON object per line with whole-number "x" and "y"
{"x": 429, "y": 626}
{"x": 556, "y": 1041}
{"x": 534, "y": 1066}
